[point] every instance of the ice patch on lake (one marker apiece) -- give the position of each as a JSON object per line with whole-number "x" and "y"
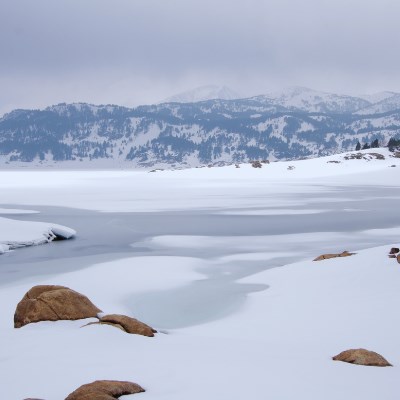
{"x": 15, "y": 211}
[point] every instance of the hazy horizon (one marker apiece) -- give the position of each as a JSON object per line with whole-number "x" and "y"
{"x": 240, "y": 96}
{"x": 142, "y": 52}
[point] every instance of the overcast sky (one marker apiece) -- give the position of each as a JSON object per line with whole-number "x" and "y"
{"x": 132, "y": 52}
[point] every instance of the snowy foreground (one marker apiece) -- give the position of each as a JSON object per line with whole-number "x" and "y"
{"x": 277, "y": 345}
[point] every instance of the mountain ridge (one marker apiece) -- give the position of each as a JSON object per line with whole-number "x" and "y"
{"x": 304, "y": 124}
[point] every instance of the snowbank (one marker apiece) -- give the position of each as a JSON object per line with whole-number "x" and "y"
{"x": 15, "y": 233}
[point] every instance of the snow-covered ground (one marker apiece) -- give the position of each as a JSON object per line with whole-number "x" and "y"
{"x": 284, "y": 324}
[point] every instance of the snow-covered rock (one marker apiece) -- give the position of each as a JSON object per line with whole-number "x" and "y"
{"x": 15, "y": 233}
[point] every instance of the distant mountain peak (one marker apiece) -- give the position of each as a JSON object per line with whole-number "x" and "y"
{"x": 377, "y": 97}
{"x": 310, "y": 100}
{"x": 203, "y": 93}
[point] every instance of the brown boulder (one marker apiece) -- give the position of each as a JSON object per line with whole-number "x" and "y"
{"x": 394, "y": 250}
{"x": 362, "y": 357}
{"x": 104, "y": 390}
{"x": 128, "y": 324}
{"x": 53, "y": 303}
{"x": 327, "y": 256}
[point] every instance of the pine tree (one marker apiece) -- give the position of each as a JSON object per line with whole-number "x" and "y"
{"x": 358, "y": 146}
{"x": 375, "y": 144}
{"x": 366, "y": 146}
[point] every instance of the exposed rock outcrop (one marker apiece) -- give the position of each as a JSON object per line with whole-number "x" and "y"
{"x": 126, "y": 324}
{"x": 53, "y": 303}
{"x": 334, "y": 255}
{"x": 105, "y": 390}
{"x": 362, "y": 357}
{"x": 256, "y": 164}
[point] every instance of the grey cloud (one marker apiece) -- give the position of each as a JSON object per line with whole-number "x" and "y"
{"x": 135, "y": 51}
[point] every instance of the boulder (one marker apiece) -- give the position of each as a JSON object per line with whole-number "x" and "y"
{"x": 398, "y": 258}
{"x": 362, "y": 357}
{"x": 326, "y": 256}
{"x": 105, "y": 390}
{"x": 53, "y": 303}
{"x": 394, "y": 250}
{"x": 256, "y": 164}
{"x": 128, "y": 324}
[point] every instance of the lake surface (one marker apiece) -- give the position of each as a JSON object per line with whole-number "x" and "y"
{"x": 345, "y": 215}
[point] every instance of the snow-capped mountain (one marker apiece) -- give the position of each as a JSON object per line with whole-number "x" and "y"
{"x": 377, "y": 97}
{"x": 294, "y": 124}
{"x": 299, "y": 98}
{"x": 203, "y": 93}
{"x": 388, "y": 104}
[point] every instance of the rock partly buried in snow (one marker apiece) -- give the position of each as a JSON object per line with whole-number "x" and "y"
{"x": 62, "y": 232}
{"x": 128, "y": 324}
{"x": 394, "y": 250}
{"x": 327, "y": 256}
{"x": 4, "y": 248}
{"x": 105, "y": 390}
{"x": 362, "y": 357}
{"x": 53, "y": 303}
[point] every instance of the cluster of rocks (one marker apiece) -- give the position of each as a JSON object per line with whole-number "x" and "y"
{"x": 54, "y": 303}
{"x": 258, "y": 164}
{"x": 395, "y": 253}
{"x": 364, "y": 156}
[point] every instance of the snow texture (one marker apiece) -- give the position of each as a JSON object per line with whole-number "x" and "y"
{"x": 278, "y": 340}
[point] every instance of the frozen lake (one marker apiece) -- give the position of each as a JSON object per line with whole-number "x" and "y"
{"x": 233, "y": 245}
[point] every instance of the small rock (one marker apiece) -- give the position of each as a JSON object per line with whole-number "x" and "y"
{"x": 52, "y": 303}
{"x": 327, "y": 256}
{"x": 105, "y": 390}
{"x": 362, "y": 357}
{"x": 256, "y": 164}
{"x": 129, "y": 325}
{"x": 394, "y": 250}
{"x": 392, "y": 256}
